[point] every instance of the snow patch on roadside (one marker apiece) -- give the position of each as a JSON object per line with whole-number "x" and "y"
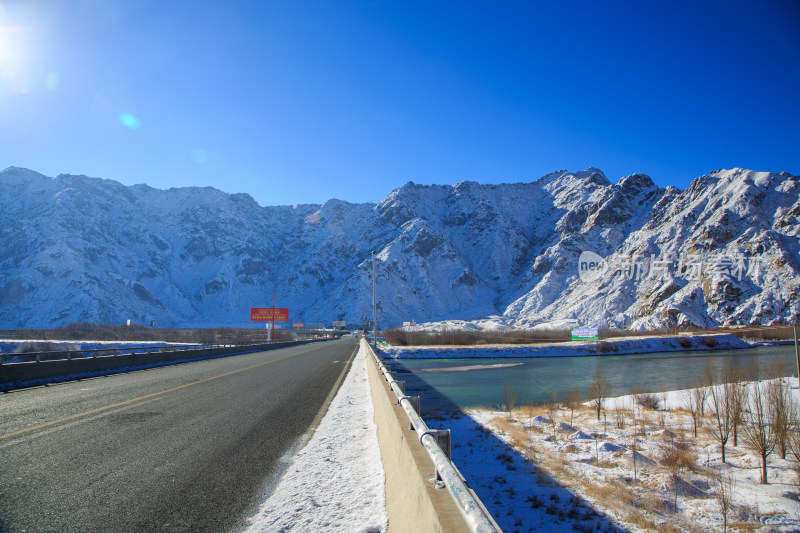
{"x": 336, "y": 482}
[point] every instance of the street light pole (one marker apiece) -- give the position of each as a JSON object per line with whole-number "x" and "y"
{"x": 374, "y": 318}
{"x": 796, "y": 353}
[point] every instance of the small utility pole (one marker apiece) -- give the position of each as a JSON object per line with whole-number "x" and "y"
{"x": 797, "y": 353}
{"x": 374, "y": 318}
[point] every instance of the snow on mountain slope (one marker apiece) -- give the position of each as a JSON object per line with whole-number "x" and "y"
{"x": 723, "y": 251}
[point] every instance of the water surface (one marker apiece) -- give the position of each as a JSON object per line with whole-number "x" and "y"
{"x": 471, "y": 383}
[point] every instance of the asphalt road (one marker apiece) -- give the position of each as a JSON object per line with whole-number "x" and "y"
{"x": 180, "y": 448}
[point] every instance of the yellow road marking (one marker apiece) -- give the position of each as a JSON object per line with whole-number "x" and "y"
{"x": 139, "y": 399}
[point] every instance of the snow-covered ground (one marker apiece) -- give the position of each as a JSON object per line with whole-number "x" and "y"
{"x": 577, "y": 474}
{"x": 336, "y": 481}
{"x": 618, "y": 346}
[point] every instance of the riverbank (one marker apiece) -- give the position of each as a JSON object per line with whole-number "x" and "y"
{"x": 616, "y": 346}
{"x": 550, "y": 467}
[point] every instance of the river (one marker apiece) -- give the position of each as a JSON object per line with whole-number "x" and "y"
{"x": 470, "y": 383}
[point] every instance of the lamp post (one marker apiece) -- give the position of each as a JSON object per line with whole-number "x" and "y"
{"x": 796, "y": 352}
{"x": 374, "y": 318}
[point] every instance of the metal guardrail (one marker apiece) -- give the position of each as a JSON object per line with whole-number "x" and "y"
{"x": 39, "y": 357}
{"x": 475, "y": 515}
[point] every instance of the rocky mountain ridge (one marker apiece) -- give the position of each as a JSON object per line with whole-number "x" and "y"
{"x": 723, "y": 251}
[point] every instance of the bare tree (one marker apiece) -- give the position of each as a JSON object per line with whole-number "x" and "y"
{"x": 634, "y": 446}
{"x": 794, "y": 438}
{"x": 530, "y": 408}
{"x": 619, "y": 417}
{"x": 690, "y": 403}
{"x": 701, "y": 390}
{"x": 675, "y": 457}
{"x": 599, "y": 389}
{"x": 724, "y": 495}
{"x": 509, "y": 397}
{"x": 721, "y": 409}
{"x": 552, "y": 410}
{"x": 759, "y": 436}
{"x": 571, "y": 401}
{"x": 780, "y": 401}
{"x": 738, "y": 402}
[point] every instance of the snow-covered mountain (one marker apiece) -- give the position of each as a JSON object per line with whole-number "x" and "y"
{"x": 724, "y": 251}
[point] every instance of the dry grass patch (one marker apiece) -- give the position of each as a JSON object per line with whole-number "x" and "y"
{"x": 672, "y": 526}
{"x": 745, "y": 526}
{"x": 639, "y": 519}
{"x": 639, "y": 494}
{"x": 517, "y": 435}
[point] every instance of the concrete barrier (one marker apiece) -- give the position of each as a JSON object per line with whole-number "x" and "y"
{"x": 20, "y": 375}
{"x": 413, "y": 503}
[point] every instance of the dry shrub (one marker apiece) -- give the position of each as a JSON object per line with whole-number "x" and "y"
{"x": 709, "y": 342}
{"x": 646, "y": 399}
{"x": 619, "y": 415}
{"x": 649, "y": 401}
{"x": 685, "y": 343}
{"x": 681, "y": 454}
{"x": 606, "y": 347}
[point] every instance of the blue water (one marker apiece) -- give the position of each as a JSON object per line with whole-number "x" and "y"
{"x": 461, "y": 383}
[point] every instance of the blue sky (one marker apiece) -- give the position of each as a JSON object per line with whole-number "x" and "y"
{"x": 297, "y": 102}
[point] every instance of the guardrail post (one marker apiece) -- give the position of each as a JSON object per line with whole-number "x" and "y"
{"x": 415, "y": 403}
{"x": 38, "y": 358}
{"x": 443, "y": 437}
{"x": 400, "y": 385}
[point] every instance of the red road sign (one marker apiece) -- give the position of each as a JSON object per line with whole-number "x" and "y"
{"x": 268, "y": 314}
{"x": 297, "y": 324}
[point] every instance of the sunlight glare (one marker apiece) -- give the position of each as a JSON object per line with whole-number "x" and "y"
{"x": 12, "y": 59}
{"x": 129, "y": 121}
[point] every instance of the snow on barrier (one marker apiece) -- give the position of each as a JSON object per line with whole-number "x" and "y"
{"x": 424, "y": 496}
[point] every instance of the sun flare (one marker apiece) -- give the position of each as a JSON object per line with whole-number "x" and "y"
{"x": 10, "y": 51}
